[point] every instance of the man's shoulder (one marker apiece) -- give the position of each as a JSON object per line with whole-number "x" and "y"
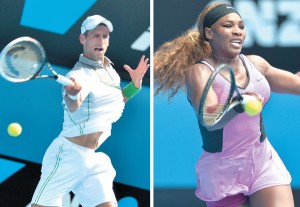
{"x": 78, "y": 69}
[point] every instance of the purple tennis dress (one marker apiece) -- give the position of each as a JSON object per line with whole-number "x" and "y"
{"x": 244, "y": 160}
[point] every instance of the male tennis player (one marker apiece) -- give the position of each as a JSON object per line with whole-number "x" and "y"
{"x": 90, "y": 107}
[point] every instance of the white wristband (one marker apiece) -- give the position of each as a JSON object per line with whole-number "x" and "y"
{"x": 74, "y": 97}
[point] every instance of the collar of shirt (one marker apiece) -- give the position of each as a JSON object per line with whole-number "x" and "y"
{"x": 94, "y": 64}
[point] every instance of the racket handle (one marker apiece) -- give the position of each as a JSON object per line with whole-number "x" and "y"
{"x": 64, "y": 81}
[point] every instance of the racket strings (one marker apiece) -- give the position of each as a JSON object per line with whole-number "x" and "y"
{"x": 211, "y": 117}
{"x": 212, "y": 113}
{"x": 22, "y": 61}
{"x": 215, "y": 107}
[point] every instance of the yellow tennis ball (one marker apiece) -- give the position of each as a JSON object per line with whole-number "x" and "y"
{"x": 14, "y": 129}
{"x": 252, "y": 106}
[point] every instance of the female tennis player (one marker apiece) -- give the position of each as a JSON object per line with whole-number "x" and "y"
{"x": 91, "y": 105}
{"x": 239, "y": 166}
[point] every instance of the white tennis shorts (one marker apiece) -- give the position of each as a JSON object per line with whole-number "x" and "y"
{"x": 69, "y": 167}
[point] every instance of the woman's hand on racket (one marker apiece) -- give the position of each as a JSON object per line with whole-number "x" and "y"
{"x": 256, "y": 95}
{"x": 138, "y": 73}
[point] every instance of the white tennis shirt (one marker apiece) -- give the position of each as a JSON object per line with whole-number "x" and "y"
{"x": 102, "y": 100}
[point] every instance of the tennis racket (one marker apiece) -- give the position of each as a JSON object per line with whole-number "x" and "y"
{"x": 23, "y": 59}
{"x": 217, "y": 98}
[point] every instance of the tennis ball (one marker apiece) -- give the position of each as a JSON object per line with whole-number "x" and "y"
{"x": 252, "y": 106}
{"x": 14, "y": 129}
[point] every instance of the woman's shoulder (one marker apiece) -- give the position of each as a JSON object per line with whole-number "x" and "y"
{"x": 200, "y": 65}
{"x": 199, "y": 69}
{"x": 256, "y": 59}
{"x": 259, "y": 62}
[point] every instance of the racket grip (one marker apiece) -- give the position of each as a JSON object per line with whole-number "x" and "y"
{"x": 64, "y": 81}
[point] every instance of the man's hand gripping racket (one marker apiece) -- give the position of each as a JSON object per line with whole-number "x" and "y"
{"x": 23, "y": 59}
